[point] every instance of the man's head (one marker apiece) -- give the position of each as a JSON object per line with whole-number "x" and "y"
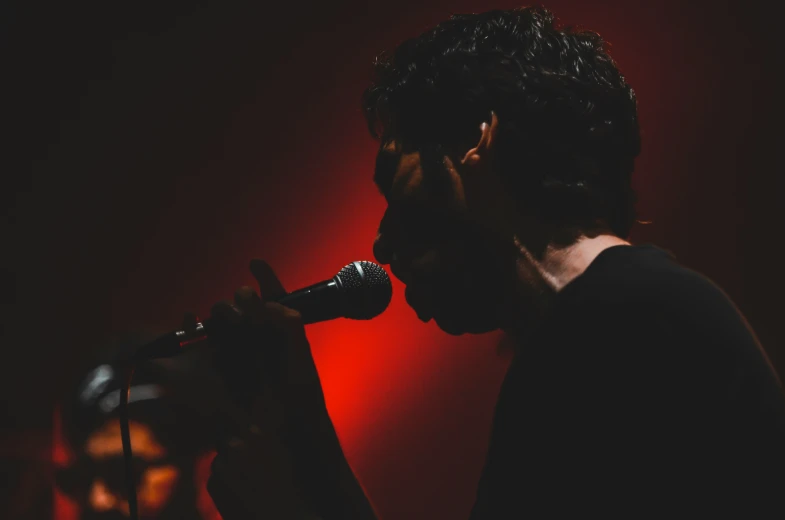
{"x": 500, "y": 133}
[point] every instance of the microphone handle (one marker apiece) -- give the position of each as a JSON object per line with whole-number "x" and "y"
{"x": 318, "y": 302}
{"x": 173, "y": 343}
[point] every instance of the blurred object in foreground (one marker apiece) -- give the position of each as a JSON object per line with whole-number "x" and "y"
{"x": 171, "y": 406}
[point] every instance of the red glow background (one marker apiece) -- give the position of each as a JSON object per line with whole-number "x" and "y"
{"x": 170, "y": 145}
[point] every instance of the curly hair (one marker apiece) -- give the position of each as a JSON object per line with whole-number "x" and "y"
{"x": 568, "y": 127}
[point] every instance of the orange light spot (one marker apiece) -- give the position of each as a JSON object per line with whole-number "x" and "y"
{"x": 107, "y": 442}
{"x": 100, "y": 497}
{"x": 156, "y": 488}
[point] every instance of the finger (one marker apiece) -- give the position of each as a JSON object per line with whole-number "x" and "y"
{"x": 224, "y": 321}
{"x": 246, "y": 299}
{"x": 253, "y": 309}
{"x": 286, "y": 320}
{"x": 300, "y": 365}
{"x": 225, "y": 312}
{"x": 270, "y": 287}
{"x": 224, "y": 332}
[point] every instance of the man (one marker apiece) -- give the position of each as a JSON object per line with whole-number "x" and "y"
{"x": 637, "y": 388}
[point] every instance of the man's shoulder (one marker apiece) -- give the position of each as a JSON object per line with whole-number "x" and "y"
{"x": 644, "y": 293}
{"x": 647, "y": 277}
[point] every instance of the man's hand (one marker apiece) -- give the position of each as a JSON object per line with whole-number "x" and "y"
{"x": 264, "y": 349}
{"x": 278, "y": 446}
{"x": 252, "y": 473}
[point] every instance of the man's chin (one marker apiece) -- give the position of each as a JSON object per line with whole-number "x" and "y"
{"x": 457, "y": 327}
{"x": 450, "y": 329}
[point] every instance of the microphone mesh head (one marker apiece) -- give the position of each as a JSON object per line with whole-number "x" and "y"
{"x": 366, "y": 289}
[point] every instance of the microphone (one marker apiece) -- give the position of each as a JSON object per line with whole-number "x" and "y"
{"x": 360, "y": 291}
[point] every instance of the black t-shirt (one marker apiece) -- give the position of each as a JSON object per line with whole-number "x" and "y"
{"x": 643, "y": 394}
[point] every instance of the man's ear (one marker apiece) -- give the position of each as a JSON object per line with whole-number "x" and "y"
{"x": 482, "y": 152}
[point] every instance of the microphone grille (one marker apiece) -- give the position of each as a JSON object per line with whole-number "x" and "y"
{"x": 366, "y": 289}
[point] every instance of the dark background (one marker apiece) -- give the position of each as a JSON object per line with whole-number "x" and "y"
{"x": 154, "y": 148}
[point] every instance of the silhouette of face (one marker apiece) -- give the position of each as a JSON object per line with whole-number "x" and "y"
{"x": 101, "y": 492}
{"x": 457, "y": 270}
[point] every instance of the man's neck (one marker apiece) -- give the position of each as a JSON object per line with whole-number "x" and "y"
{"x": 541, "y": 278}
{"x": 560, "y": 265}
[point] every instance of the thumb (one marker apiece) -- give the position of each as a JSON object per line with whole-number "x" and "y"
{"x": 270, "y": 288}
